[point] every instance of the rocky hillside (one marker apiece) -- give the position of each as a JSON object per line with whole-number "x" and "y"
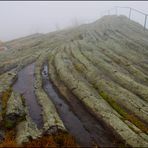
{"x": 2, "y": 46}
{"x": 102, "y": 65}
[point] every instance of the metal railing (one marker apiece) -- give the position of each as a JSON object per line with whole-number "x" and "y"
{"x": 130, "y": 11}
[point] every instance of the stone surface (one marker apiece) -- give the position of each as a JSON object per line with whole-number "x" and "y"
{"x": 27, "y": 129}
{"x": 103, "y": 63}
{"x": 15, "y": 106}
{"x": 49, "y": 113}
{"x": 91, "y": 99}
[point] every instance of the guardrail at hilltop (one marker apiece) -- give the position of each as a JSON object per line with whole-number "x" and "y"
{"x": 130, "y": 11}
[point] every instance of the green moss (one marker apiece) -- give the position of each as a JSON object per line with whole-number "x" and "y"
{"x": 126, "y": 116}
{"x": 11, "y": 123}
{"x": 113, "y": 103}
{"x": 23, "y": 100}
{"x": 79, "y": 67}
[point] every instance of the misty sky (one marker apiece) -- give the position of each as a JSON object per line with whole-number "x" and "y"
{"x": 19, "y": 19}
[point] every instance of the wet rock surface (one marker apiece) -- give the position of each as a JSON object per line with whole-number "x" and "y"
{"x": 100, "y": 69}
{"x": 89, "y": 97}
{"x": 49, "y": 112}
{"x": 95, "y": 128}
{"x": 25, "y": 86}
{"x": 71, "y": 121}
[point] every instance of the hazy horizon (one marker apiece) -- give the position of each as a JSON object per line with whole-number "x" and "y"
{"x": 24, "y": 18}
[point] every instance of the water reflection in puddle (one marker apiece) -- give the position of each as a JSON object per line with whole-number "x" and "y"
{"x": 24, "y": 85}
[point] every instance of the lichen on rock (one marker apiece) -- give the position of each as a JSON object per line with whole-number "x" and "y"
{"x": 15, "y": 106}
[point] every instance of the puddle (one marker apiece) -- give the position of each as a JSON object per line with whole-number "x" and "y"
{"x": 71, "y": 122}
{"x": 79, "y": 122}
{"x": 24, "y": 85}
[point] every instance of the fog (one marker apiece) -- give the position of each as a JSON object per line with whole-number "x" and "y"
{"x": 19, "y": 19}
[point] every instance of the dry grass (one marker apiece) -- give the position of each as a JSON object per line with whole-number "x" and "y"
{"x": 58, "y": 140}
{"x": 9, "y": 140}
{"x": 45, "y": 141}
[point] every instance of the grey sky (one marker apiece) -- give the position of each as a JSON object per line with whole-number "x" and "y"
{"x": 19, "y": 19}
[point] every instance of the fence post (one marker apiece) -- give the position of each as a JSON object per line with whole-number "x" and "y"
{"x": 130, "y": 13}
{"x": 145, "y": 22}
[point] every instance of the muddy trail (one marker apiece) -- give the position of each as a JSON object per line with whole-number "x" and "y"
{"x": 24, "y": 85}
{"x": 80, "y": 123}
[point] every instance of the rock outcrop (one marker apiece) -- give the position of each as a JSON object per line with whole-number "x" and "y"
{"x": 2, "y": 47}
{"x": 27, "y": 130}
{"x": 51, "y": 118}
{"x": 15, "y": 109}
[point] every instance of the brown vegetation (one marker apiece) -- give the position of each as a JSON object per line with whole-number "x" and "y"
{"x": 9, "y": 140}
{"x": 57, "y": 140}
